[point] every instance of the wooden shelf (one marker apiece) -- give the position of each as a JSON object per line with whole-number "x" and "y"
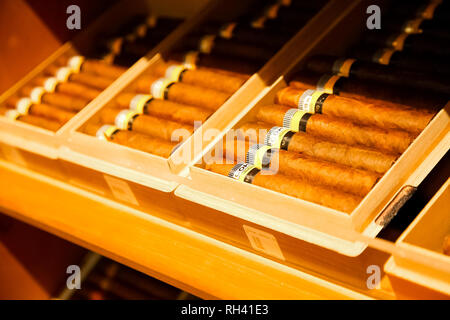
{"x": 172, "y": 253}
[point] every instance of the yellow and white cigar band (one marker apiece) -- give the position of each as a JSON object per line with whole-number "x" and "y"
{"x": 206, "y": 43}
{"x": 272, "y": 11}
{"x": 190, "y": 59}
{"x": 296, "y": 119}
{"x": 63, "y": 74}
{"x": 159, "y": 88}
{"x": 413, "y": 26}
{"x": 312, "y": 101}
{"x": 226, "y": 31}
{"x": 327, "y": 83}
{"x": 106, "y": 131}
{"x": 174, "y": 72}
{"x": 75, "y": 63}
{"x": 341, "y": 67}
{"x": 260, "y": 155}
{"x": 397, "y": 42}
{"x": 36, "y": 94}
{"x": 139, "y": 102}
{"x": 383, "y": 56}
{"x": 50, "y": 84}
{"x": 124, "y": 119}
{"x": 428, "y": 11}
{"x": 243, "y": 172}
{"x": 12, "y": 114}
{"x": 23, "y": 105}
{"x": 279, "y": 137}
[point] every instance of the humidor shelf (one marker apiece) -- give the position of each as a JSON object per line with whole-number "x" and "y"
{"x": 170, "y": 252}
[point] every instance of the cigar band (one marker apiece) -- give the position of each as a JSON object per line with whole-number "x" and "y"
{"x": 413, "y": 26}
{"x": 296, "y": 119}
{"x": 206, "y": 43}
{"x": 115, "y": 45}
{"x": 141, "y": 30}
{"x": 131, "y": 37}
{"x": 190, "y": 59}
{"x": 36, "y": 94}
{"x": 139, "y": 102}
{"x": 312, "y": 101}
{"x": 243, "y": 172}
{"x": 260, "y": 155}
{"x": 383, "y": 56}
{"x": 12, "y": 114}
{"x": 106, "y": 131}
{"x": 151, "y": 21}
{"x": 279, "y": 137}
{"x": 174, "y": 72}
{"x": 63, "y": 74}
{"x": 341, "y": 67}
{"x": 159, "y": 88}
{"x": 258, "y": 23}
{"x": 23, "y": 105}
{"x": 226, "y": 31}
{"x": 327, "y": 82}
{"x": 272, "y": 11}
{"x": 75, "y": 63}
{"x": 124, "y": 119}
{"x": 427, "y": 12}
{"x": 50, "y": 84}
{"x": 397, "y": 42}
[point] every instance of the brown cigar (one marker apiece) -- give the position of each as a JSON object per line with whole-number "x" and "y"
{"x": 395, "y": 96}
{"x": 186, "y": 94}
{"x": 202, "y": 78}
{"x": 152, "y": 126}
{"x": 102, "y": 69}
{"x": 59, "y": 99}
{"x": 301, "y": 142}
{"x": 331, "y": 175}
{"x": 340, "y": 130}
{"x": 356, "y": 110}
{"x": 91, "y": 80}
{"x": 72, "y": 88}
{"x": 35, "y": 120}
{"x": 137, "y": 141}
{"x": 167, "y": 109}
{"x": 298, "y": 188}
{"x": 446, "y": 247}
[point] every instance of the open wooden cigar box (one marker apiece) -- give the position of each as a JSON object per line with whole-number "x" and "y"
{"x": 237, "y": 211}
{"x": 149, "y": 179}
{"x": 37, "y": 147}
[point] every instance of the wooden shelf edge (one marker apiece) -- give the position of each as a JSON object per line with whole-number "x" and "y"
{"x": 181, "y": 257}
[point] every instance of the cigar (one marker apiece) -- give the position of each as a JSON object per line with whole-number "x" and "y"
{"x": 115, "y": 288}
{"x": 61, "y": 100}
{"x": 375, "y": 92}
{"x": 295, "y": 187}
{"x": 215, "y": 62}
{"x": 420, "y": 62}
{"x": 70, "y": 88}
{"x": 145, "y": 124}
{"x": 314, "y": 147}
{"x": 30, "y": 119}
{"x": 135, "y": 140}
{"x": 388, "y": 75}
{"x": 166, "y": 109}
{"x": 446, "y": 246}
{"x": 26, "y": 106}
{"x": 336, "y": 130}
{"x": 93, "y": 66}
{"x": 354, "y": 110}
{"x": 91, "y": 80}
{"x": 181, "y": 93}
{"x": 331, "y": 175}
{"x": 199, "y": 77}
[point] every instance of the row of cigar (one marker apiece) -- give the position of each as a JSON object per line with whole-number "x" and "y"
{"x": 67, "y": 85}
{"x": 110, "y": 280}
{"x": 334, "y": 131}
{"x": 161, "y": 108}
